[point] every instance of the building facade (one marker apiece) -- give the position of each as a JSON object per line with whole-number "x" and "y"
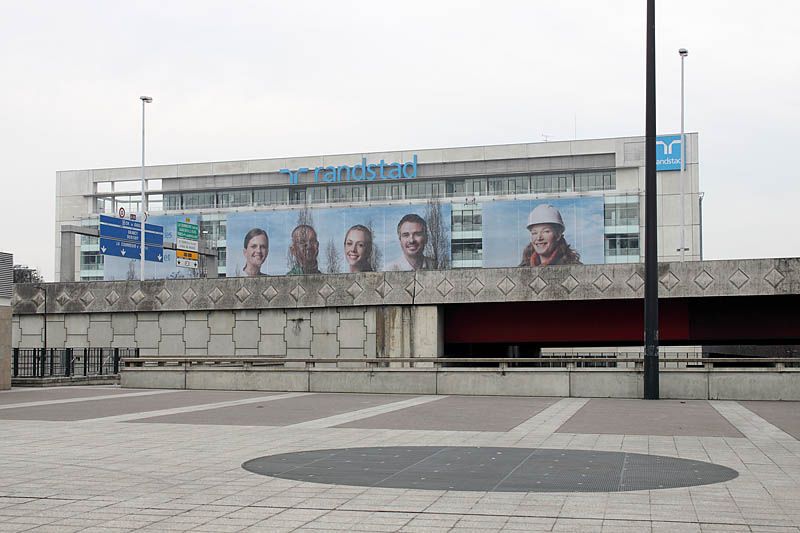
{"x": 485, "y": 197}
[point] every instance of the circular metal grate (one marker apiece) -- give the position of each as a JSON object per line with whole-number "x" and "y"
{"x": 490, "y": 469}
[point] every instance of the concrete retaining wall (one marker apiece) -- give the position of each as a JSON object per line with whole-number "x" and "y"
{"x": 713, "y": 384}
{"x": 321, "y": 333}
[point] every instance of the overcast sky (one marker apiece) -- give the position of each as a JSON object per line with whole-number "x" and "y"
{"x": 245, "y": 80}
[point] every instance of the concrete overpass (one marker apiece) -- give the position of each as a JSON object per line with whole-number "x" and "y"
{"x": 416, "y": 314}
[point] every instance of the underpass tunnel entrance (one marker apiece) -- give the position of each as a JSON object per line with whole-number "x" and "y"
{"x": 525, "y": 329}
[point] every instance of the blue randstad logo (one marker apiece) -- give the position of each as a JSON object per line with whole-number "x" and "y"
{"x": 668, "y": 152}
{"x": 360, "y": 172}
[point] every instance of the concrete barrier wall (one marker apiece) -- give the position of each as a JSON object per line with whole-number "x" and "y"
{"x": 324, "y": 333}
{"x": 719, "y": 384}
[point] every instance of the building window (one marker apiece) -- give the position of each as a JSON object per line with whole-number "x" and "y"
{"x": 622, "y": 214}
{"x": 172, "y": 202}
{"x": 104, "y": 186}
{"x": 127, "y": 186}
{"x": 270, "y": 196}
{"x": 424, "y": 189}
{"x": 509, "y": 185}
{"x": 346, "y": 193}
{"x": 551, "y": 183}
{"x": 467, "y": 220}
{"x": 154, "y": 185}
{"x": 155, "y": 202}
{"x": 467, "y": 250}
{"x": 317, "y": 195}
{"x": 595, "y": 181}
{"x": 297, "y": 196}
{"x": 234, "y": 198}
{"x": 476, "y": 187}
{"x": 91, "y": 260}
{"x": 104, "y": 205}
{"x": 455, "y": 188}
{"x": 624, "y": 244}
{"x": 222, "y": 257}
{"x": 198, "y": 200}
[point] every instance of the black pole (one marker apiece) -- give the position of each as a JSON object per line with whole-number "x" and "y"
{"x": 650, "y": 218}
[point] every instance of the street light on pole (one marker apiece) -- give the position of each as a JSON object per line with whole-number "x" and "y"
{"x": 145, "y": 100}
{"x": 683, "y": 52}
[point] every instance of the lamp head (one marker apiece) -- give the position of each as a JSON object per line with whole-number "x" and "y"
{"x": 146, "y": 99}
{"x": 683, "y": 52}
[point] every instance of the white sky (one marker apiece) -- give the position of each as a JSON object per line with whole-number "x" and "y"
{"x": 241, "y": 80}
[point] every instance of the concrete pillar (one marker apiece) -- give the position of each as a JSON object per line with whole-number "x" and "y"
{"x": 406, "y": 331}
{"x": 5, "y": 344}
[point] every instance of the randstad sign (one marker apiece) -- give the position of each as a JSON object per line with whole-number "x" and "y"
{"x": 668, "y": 152}
{"x": 359, "y": 172}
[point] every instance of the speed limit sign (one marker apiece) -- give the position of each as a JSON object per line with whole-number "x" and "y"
{"x": 121, "y": 212}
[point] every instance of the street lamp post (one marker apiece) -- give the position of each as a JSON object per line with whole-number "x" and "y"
{"x": 683, "y": 52}
{"x": 145, "y": 100}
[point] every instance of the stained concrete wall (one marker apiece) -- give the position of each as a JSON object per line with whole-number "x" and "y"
{"x": 322, "y": 333}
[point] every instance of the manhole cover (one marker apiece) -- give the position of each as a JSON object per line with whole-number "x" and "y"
{"x": 490, "y": 469}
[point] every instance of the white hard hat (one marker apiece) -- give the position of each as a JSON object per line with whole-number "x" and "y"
{"x": 545, "y": 214}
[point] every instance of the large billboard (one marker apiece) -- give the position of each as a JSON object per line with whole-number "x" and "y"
{"x": 543, "y": 232}
{"x": 337, "y": 240}
{"x": 120, "y": 268}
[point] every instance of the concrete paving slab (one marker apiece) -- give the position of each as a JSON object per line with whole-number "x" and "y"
{"x": 784, "y": 415}
{"x": 281, "y": 412}
{"x": 37, "y": 394}
{"x": 123, "y": 405}
{"x": 636, "y": 417}
{"x": 104, "y": 475}
{"x": 460, "y": 413}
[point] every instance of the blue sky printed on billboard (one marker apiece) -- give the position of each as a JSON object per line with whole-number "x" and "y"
{"x": 505, "y": 233}
{"x": 331, "y": 225}
{"x": 120, "y": 268}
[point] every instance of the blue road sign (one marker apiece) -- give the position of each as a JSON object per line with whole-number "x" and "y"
{"x": 130, "y": 250}
{"x": 133, "y": 224}
{"x": 132, "y": 235}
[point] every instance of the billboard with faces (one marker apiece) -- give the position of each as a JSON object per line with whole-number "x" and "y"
{"x": 338, "y": 240}
{"x": 543, "y": 232}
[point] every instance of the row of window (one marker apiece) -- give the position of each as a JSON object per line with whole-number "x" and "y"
{"x": 355, "y": 193}
{"x": 626, "y": 214}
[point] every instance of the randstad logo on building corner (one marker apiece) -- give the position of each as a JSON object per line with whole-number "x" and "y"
{"x": 668, "y": 152}
{"x": 360, "y": 172}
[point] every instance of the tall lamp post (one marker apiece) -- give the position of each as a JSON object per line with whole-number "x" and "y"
{"x": 683, "y": 52}
{"x": 145, "y": 100}
{"x": 651, "y": 379}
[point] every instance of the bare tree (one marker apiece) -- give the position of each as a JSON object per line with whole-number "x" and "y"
{"x": 304, "y": 217}
{"x": 332, "y": 255}
{"x": 26, "y": 274}
{"x": 438, "y": 248}
{"x": 376, "y": 259}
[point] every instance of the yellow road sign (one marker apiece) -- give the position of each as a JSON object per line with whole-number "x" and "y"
{"x": 184, "y": 254}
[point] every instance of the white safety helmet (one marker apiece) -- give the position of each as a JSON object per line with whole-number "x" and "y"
{"x": 545, "y": 214}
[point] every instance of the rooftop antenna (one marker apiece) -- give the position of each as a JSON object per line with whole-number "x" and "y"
{"x": 547, "y": 137}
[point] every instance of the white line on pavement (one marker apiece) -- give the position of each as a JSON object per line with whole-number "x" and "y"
{"x": 193, "y": 408}
{"x": 343, "y": 418}
{"x": 86, "y": 399}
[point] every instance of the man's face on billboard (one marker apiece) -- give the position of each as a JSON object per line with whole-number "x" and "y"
{"x": 412, "y": 238}
{"x": 305, "y": 246}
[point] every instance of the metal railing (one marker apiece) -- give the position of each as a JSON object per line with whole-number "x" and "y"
{"x": 448, "y": 363}
{"x": 67, "y": 362}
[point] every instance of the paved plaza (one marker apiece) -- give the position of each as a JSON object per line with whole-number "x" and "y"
{"x": 108, "y": 459}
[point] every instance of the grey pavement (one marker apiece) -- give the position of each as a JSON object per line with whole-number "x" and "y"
{"x": 171, "y": 461}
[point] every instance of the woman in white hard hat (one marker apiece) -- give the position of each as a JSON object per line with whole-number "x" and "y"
{"x": 547, "y": 246}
